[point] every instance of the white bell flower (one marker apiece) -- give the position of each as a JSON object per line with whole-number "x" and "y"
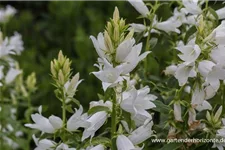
{"x": 170, "y": 70}
{"x": 142, "y": 133}
{"x": 132, "y": 60}
{"x": 218, "y": 34}
{"x": 99, "y": 45}
{"x": 204, "y": 106}
{"x": 101, "y": 103}
{"x": 138, "y": 101}
{"x": 177, "y": 111}
{"x": 221, "y": 13}
{"x": 189, "y": 53}
{"x": 109, "y": 75}
{"x": 205, "y": 67}
{"x": 218, "y": 55}
{"x": 96, "y": 120}
{"x": 6, "y": 13}
{"x": 215, "y": 75}
{"x": 97, "y": 147}
{"x": 43, "y": 144}
{"x": 71, "y": 86}
{"x": 198, "y": 96}
{"x": 140, "y": 6}
{"x": 170, "y": 25}
{"x": 5, "y": 48}
{"x": 124, "y": 49}
{"x": 191, "y": 7}
{"x": 63, "y": 146}
{"x": 16, "y": 43}
{"x": 138, "y": 27}
{"x": 1, "y": 72}
{"x": 78, "y": 120}
{"x": 11, "y": 75}
{"x": 184, "y": 71}
{"x": 45, "y": 125}
{"x": 123, "y": 143}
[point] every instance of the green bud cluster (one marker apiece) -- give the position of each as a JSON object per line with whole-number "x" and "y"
{"x": 60, "y": 69}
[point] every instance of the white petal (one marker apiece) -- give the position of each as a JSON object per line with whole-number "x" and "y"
{"x": 56, "y": 122}
{"x": 140, "y": 6}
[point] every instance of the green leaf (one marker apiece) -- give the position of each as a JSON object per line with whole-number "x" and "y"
{"x": 189, "y": 32}
{"x": 69, "y": 108}
{"x": 161, "y": 107}
{"x": 95, "y": 109}
{"x": 98, "y": 140}
{"x": 76, "y": 101}
{"x": 127, "y": 118}
{"x": 172, "y": 146}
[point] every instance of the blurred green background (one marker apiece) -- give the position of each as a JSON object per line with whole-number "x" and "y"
{"x": 48, "y": 27}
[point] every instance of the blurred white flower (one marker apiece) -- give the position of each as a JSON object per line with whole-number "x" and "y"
{"x": 6, "y": 13}
{"x": 43, "y": 144}
{"x": 137, "y": 27}
{"x": 221, "y": 13}
{"x": 191, "y": 7}
{"x": 140, "y": 6}
{"x": 16, "y": 43}
{"x": 11, "y": 75}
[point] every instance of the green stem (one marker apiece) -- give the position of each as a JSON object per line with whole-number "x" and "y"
{"x": 113, "y": 122}
{"x": 223, "y": 96}
{"x": 64, "y": 112}
{"x": 2, "y": 107}
{"x": 147, "y": 46}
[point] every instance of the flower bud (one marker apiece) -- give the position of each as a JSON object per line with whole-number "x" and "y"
{"x": 61, "y": 78}
{"x": 108, "y": 42}
{"x": 31, "y": 82}
{"x": 116, "y": 15}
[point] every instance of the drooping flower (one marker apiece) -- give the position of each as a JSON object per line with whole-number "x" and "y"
{"x": 177, "y": 111}
{"x": 142, "y": 133}
{"x": 123, "y": 143}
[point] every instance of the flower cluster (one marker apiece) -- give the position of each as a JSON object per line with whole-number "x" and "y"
{"x": 198, "y": 63}
{"x": 13, "y": 89}
{"x": 124, "y": 106}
